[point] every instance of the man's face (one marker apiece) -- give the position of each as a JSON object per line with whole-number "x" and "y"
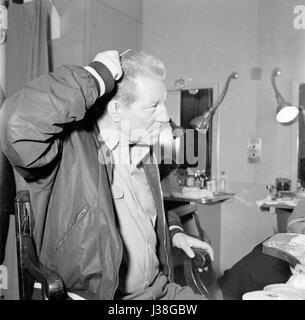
{"x": 142, "y": 120}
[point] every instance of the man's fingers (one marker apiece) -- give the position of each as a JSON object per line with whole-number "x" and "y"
{"x": 189, "y": 251}
{"x": 203, "y": 245}
{"x": 111, "y": 59}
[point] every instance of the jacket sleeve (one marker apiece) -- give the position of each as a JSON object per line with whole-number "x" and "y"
{"x": 296, "y": 221}
{"x": 173, "y": 220}
{"x": 32, "y": 120}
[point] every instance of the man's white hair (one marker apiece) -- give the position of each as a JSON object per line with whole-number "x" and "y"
{"x": 137, "y": 64}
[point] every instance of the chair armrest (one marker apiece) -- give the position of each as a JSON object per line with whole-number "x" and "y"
{"x": 193, "y": 268}
{"x": 202, "y": 258}
{"x": 51, "y": 282}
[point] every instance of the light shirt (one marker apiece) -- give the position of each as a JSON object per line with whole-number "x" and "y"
{"x": 136, "y": 214}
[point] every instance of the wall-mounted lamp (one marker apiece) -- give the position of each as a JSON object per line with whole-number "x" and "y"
{"x": 3, "y": 20}
{"x": 202, "y": 122}
{"x": 285, "y": 111}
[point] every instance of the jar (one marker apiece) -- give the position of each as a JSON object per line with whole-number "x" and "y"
{"x": 190, "y": 179}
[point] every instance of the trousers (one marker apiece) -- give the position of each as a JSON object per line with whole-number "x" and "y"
{"x": 253, "y": 272}
{"x": 162, "y": 289}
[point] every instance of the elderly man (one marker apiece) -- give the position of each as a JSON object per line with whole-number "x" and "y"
{"x": 78, "y": 138}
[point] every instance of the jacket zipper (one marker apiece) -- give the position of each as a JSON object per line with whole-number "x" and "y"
{"x": 78, "y": 218}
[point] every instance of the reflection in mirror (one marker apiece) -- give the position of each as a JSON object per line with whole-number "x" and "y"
{"x": 193, "y": 149}
{"x": 194, "y": 103}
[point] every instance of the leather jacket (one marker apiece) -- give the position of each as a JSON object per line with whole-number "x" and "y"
{"x": 53, "y": 144}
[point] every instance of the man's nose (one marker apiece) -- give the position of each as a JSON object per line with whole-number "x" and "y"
{"x": 162, "y": 115}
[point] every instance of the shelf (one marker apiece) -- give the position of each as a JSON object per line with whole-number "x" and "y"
{"x": 220, "y": 197}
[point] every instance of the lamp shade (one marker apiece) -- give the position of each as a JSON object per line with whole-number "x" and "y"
{"x": 285, "y": 111}
{"x": 202, "y": 122}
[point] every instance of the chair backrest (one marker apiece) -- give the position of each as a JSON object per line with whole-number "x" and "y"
{"x": 29, "y": 267}
{"x": 7, "y": 195}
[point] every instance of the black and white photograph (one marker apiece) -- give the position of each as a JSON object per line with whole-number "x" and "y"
{"x": 152, "y": 150}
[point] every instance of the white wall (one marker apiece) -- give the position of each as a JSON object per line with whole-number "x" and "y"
{"x": 91, "y": 26}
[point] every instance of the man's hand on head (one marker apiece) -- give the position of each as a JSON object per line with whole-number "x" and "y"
{"x": 106, "y": 69}
{"x": 111, "y": 59}
{"x": 186, "y": 243}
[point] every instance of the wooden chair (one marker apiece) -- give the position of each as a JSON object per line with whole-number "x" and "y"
{"x": 198, "y": 272}
{"x": 29, "y": 267}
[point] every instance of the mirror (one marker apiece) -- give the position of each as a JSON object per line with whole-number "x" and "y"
{"x": 195, "y": 150}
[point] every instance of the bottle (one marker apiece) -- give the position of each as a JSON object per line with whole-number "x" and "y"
{"x": 213, "y": 185}
{"x": 223, "y": 182}
{"x": 209, "y": 185}
{"x": 190, "y": 179}
{"x": 299, "y": 186}
{"x": 203, "y": 180}
{"x": 197, "y": 179}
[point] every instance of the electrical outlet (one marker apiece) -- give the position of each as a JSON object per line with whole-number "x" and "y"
{"x": 254, "y": 149}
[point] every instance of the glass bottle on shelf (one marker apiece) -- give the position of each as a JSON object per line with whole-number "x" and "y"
{"x": 190, "y": 179}
{"x": 203, "y": 179}
{"x": 223, "y": 182}
{"x": 197, "y": 179}
{"x": 213, "y": 185}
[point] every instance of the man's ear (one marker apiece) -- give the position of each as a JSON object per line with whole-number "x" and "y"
{"x": 114, "y": 110}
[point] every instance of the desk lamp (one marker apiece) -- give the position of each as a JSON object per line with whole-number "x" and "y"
{"x": 285, "y": 111}
{"x": 201, "y": 123}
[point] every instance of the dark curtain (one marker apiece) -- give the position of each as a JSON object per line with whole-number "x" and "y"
{"x": 26, "y": 58}
{"x": 27, "y": 43}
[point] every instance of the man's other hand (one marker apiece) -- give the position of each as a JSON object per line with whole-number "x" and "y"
{"x": 186, "y": 243}
{"x": 111, "y": 59}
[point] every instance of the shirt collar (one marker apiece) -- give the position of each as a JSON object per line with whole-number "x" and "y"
{"x": 109, "y": 138}
{"x": 113, "y": 140}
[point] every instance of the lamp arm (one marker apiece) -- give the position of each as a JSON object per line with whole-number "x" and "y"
{"x": 233, "y": 75}
{"x": 202, "y": 122}
{"x": 276, "y": 72}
